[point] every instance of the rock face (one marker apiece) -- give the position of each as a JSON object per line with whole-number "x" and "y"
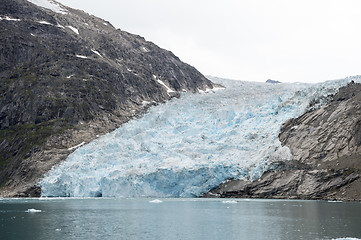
{"x": 325, "y": 144}
{"x": 272, "y": 81}
{"x": 66, "y": 77}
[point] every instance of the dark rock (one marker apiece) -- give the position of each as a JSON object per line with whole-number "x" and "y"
{"x": 272, "y": 81}
{"x": 66, "y": 78}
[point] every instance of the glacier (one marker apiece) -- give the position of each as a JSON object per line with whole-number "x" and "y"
{"x": 189, "y": 145}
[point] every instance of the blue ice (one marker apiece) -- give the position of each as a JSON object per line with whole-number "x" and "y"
{"x": 189, "y": 145}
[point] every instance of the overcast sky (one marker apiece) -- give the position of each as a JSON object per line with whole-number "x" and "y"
{"x": 254, "y": 40}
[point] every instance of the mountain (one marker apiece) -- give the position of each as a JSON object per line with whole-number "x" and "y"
{"x": 68, "y": 77}
{"x": 325, "y": 144}
{"x": 272, "y": 81}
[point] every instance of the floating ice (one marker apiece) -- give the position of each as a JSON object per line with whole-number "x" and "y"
{"x": 189, "y": 145}
{"x": 230, "y": 201}
{"x": 48, "y": 4}
{"x": 156, "y": 201}
{"x": 346, "y": 238}
{"x": 32, "y": 210}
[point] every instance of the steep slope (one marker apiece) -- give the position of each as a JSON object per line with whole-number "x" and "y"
{"x": 325, "y": 146}
{"x": 66, "y": 77}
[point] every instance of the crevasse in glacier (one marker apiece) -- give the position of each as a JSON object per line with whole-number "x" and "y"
{"x": 188, "y": 145}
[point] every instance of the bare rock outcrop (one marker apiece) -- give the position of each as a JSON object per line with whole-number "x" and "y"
{"x": 325, "y": 144}
{"x": 328, "y": 133}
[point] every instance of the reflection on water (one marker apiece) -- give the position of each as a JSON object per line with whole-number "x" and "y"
{"x": 178, "y": 219}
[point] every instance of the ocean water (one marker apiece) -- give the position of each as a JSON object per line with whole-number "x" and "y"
{"x": 182, "y": 218}
{"x": 189, "y": 145}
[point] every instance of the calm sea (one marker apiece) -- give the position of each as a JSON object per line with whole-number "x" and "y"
{"x": 177, "y": 219}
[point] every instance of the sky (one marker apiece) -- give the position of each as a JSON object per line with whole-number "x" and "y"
{"x": 253, "y": 40}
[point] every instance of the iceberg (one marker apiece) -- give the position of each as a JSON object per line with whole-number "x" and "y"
{"x": 229, "y": 201}
{"x": 189, "y": 145}
{"x": 32, "y": 210}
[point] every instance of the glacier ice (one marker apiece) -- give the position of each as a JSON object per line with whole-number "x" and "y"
{"x": 189, "y": 145}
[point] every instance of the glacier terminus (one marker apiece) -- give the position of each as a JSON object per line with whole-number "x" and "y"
{"x": 187, "y": 146}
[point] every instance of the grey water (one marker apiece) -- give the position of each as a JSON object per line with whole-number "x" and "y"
{"x": 99, "y": 218}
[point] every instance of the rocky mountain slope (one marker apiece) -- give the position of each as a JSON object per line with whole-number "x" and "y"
{"x": 326, "y": 148}
{"x": 67, "y": 77}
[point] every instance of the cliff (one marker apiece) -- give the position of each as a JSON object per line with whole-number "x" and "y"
{"x": 325, "y": 145}
{"x": 68, "y": 77}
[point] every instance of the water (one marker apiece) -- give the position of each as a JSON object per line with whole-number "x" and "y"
{"x": 189, "y": 145}
{"x": 178, "y": 219}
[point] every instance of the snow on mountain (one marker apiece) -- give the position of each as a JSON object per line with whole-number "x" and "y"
{"x": 52, "y": 5}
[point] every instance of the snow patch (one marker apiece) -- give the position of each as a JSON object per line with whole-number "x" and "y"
{"x": 32, "y": 210}
{"x": 51, "y": 5}
{"x": 169, "y": 90}
{"x": 73, "y": 29}
{"x": 77, "y": 146}
{"x": 144, "y": 49}
{"x": 6, "y": 18}
{"x": 97, "y": 53}
{"x": 44, "y": 22}
{"x": 81, "y": 56}
{"x": 68, "y": 77}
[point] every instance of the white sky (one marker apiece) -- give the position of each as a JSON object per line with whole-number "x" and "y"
{"x": 285, "y": 40}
